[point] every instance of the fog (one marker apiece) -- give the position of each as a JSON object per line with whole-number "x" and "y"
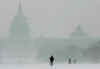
{"x": 56, "y": 18}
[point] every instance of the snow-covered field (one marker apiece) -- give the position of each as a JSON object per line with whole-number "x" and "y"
{"x": 46, "y": 66}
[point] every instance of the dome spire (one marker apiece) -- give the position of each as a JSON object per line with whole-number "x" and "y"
{"x": 20, "y": 11}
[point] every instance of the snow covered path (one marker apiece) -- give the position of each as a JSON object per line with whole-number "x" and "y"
{"x": 46, "y": 66}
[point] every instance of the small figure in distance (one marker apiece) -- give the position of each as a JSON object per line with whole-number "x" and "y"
{"x": 51, "y": 60}
{"x": 74, "y": 61}
{"x": 69, "y": 60}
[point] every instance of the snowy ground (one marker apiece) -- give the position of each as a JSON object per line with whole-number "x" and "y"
{"x": 46, "y": 66}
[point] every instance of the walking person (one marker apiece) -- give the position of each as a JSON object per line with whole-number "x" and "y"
{"x": 74, "y": 61}
{"x": 69, "y": 61}
{"x": 51, "y": 60}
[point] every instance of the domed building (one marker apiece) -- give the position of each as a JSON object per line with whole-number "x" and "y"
{"x": 61, "y": 48}
{"x": 81, "y": 38}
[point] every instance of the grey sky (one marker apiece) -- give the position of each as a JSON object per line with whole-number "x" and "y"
{"x": 53, "y": 17}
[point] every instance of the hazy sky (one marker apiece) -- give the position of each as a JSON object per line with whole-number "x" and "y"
{"x": 53, "y": 17}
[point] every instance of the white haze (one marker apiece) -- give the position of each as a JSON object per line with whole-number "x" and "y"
{"x": 53, "y": 17}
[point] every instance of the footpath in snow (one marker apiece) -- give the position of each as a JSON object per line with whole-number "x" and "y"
{"x": 46, "y": 66}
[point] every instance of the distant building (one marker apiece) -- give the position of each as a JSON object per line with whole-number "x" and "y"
{"x": 74, "y": 46}
{"x": 19, "y": 27}
{"x": 19, "y": 46}
{"x": 78, "y": 33}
